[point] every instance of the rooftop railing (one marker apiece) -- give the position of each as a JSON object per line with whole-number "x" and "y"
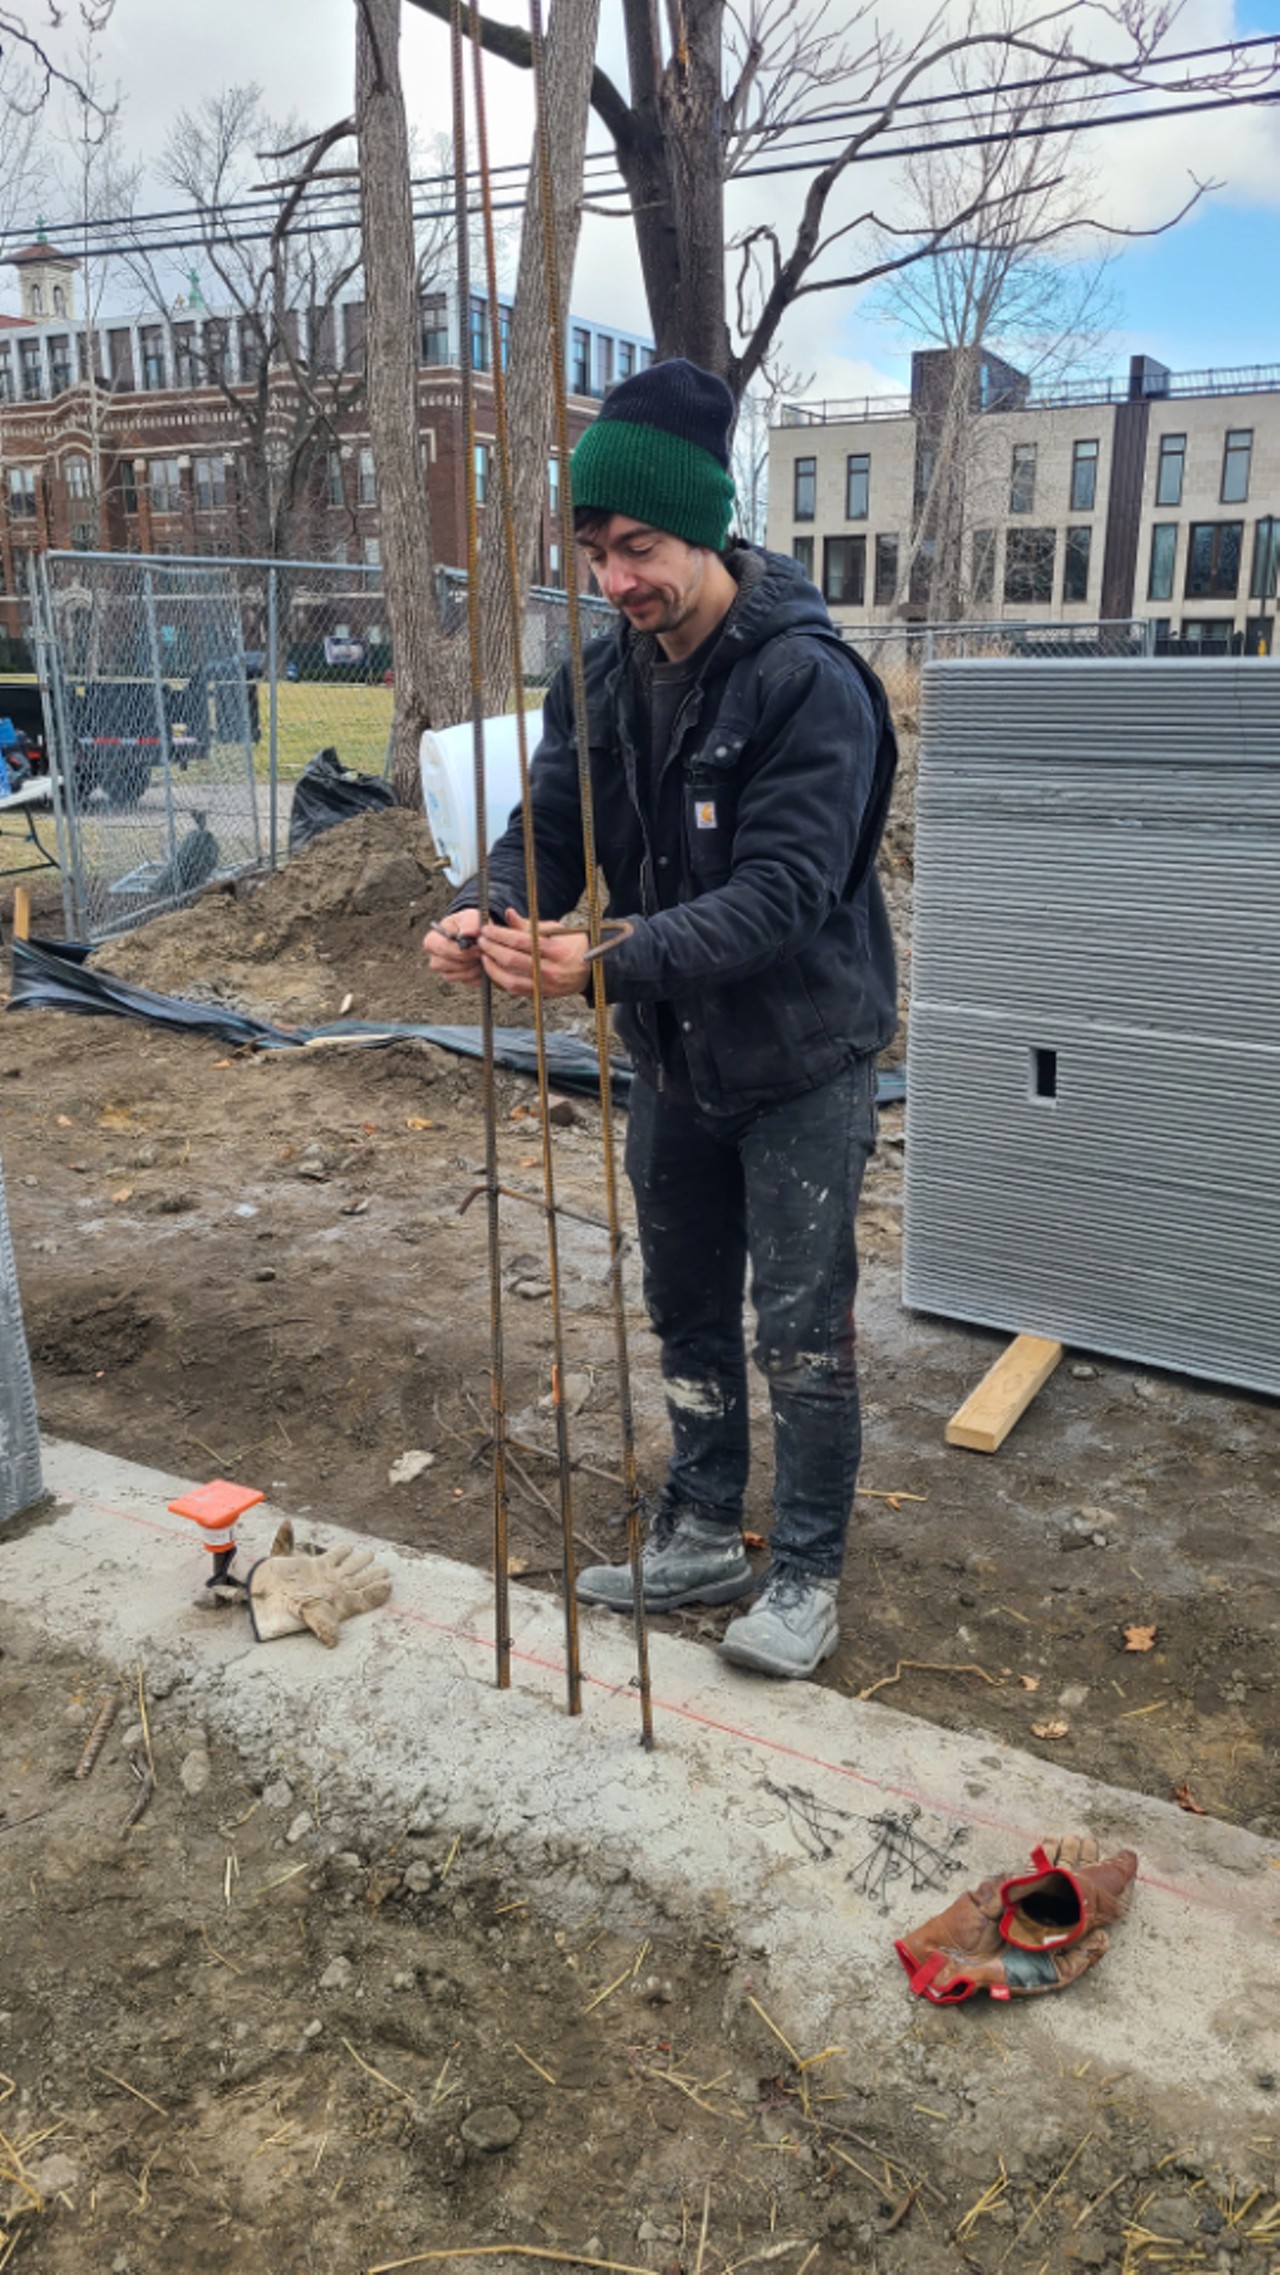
{"x": 1244, "y": 379}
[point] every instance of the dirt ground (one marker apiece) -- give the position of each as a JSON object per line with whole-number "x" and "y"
{"x": 251, "y": 2035}
{"x": 231, "y": 2045}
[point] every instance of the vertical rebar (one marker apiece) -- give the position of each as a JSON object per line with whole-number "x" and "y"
{"x": 162, "y": 722}
{"x": 560, "y": 1415}
{"x": 497, "y": 1372}
{"x": 273, "y": 719}
{"x": 59, "y": 751}
{"x": 556, "y": 321}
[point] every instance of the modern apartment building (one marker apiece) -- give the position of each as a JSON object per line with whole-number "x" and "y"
{"x": 978, "y": 495}
{"x": 119, "y": 434}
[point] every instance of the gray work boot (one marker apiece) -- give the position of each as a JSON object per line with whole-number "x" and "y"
{"x": 791, "y": 1627}
{"x": 687, "y": 1559}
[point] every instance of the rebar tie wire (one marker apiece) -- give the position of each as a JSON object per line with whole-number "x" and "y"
{"x": 556, "y": 320}
{"x": 564, "y": 1464}
{"x": 497, "y": 1369}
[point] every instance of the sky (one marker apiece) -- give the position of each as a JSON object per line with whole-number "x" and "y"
{"x": 1203, "y": 294}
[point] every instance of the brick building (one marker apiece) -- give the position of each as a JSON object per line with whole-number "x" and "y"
{"x": 1156, "y": 497}
{"x": 115, "y": 435}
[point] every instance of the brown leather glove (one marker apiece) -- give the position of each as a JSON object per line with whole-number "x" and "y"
{"x": 965, "y": 1949}
{"x": 289, "y": 1593}
{"x": 1073, "y": 1889}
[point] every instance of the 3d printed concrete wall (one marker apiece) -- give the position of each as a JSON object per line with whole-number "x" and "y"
{"x": 1093, "y": 1136}
{"x": 20, "y": 1479}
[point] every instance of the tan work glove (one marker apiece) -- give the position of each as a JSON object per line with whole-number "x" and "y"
{"x": 967, "y": 1948}
{"x": 289, "y": 1593}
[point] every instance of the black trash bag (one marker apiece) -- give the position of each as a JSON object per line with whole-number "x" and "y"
{"x": 328, "y": 793}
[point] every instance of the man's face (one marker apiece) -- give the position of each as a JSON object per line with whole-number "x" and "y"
{"x": 656, "y": 580}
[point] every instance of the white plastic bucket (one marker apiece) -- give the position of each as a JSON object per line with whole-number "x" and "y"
{"x": 447, "y": 760}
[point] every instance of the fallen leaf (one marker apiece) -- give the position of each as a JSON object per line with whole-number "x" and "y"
{"x": 115, "y": 1118}
{"x": 1029, "y": 1682}
{"x": 519, "y": 1114}
{"x": 516, "y": 1565}
{"x": 1050, "y": 1729}
{"x": 65, "y": 1122}
{"x": 222, "y": 1062}
{"x": 125, "y": 1194}
{"x": 753, "y": 1540}
{"x": 370, "y": 1128}
{"x": 1185, "y": 1799}
{"x": 419, "y": 1122}
{"x": 1140, "y": 1638}
{"x": 530, "y": 1160}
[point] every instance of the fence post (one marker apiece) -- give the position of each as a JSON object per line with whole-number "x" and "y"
{"x": 273, "y": 723}
{"x": 60, "y": 755}
{"x": 162, "y": 720}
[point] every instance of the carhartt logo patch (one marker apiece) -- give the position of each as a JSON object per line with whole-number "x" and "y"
{"x": 705, "y": 813}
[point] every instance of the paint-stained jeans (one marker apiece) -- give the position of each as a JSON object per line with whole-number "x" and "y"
{"x": 778, "y": 1188}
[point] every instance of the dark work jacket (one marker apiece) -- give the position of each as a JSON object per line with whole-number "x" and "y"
{"x": 747, "y": 868}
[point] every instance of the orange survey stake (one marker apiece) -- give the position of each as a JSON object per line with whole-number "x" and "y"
{"x": 215, "y": 1508}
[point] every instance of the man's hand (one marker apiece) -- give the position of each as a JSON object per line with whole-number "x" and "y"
{"x": 507, "y": 953}
{"x": 448, "y": 959}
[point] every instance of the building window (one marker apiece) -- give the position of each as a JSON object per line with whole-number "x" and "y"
{"x": 806, "y": 489}
{"x": 504, "y": 334}
{"x": 368, "y": 491}
{"x": 37, "y": 301}
{"x": 626, "y": 359}
{"x": 151, "y": 342}
{"x": 1170, "y": 469}
{"x": 6, "y": 377}
{"x": 166, "y": 485}
{"x": 604, "y": 360}
{"x": 185, "y": 373}
{"x": 482, "y": 473}
{"x": 1235, "y": 465}
{"x": 1022, "y": 480}
{"x": 1164, "y": 548}
{"x": 84, "y": 537}
{"x": 1266, "y": 559}
{"x": 555, "y": 574}
{"x": 59, "y": 301}
{"x": 1028, "y": 565}
{"x": 1075, "y": 565}
{"x": 435, "y": 328}
{"x": 479, "y": 333}
{"x": 920, "y": 582}
{"x": 580, "y": 344}
{"x": 32, "y": 371}
{"x": 984, "y": 564}
{"x": 844, "y": 571}
{"x": 22, "y": 493}
{"x": 211, "y": 484}
{"x": 60, "y": 364}
{"x": 647, "y": 356}
{"x": 1213, "y": 559}
{"x": 886, "y": 587}
{"x": 77, "y": 477}
{"x": 215, "y": 350}
{"x": 372, "y": 553}
{"x": 333, "y": 478}
{"x": 857, "y": 488}
{"x": 802, "y": 553}
{"x": 1084, "y": 477}
{"x": 553, "y": 487}
{"x": 129, "y": 485}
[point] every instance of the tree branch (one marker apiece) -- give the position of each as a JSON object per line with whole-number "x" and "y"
{"x": 513, "y": 46}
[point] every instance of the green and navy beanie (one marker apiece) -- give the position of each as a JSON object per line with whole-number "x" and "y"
{"x": 659, "y": 452}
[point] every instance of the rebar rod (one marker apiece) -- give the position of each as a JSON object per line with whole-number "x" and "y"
{"x": 556, "y": 321}
{"x": 511, "y": 561}
{"x": 497, "y": 1370}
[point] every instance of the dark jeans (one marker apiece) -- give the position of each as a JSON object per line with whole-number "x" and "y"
{"x": 778, "y": 1187}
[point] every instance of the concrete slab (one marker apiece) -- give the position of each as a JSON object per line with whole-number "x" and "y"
{"x": 807, "y": 1828}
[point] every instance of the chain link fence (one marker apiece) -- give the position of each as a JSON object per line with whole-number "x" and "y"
{"x": 899, "y": 652}
{"x": 185, "y": 697}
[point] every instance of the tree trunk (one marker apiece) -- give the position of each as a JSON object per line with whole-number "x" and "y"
{"x": 531, "y": 417}
{"x": 391, "y": 350}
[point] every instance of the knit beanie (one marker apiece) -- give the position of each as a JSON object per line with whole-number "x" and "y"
{"x": 659, "y": 452}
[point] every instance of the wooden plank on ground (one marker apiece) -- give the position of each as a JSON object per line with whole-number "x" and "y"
{"x": 21, "y": 913}
{"x": 1004, "y": 1393}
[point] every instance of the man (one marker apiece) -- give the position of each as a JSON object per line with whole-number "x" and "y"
{"x": 741, "y": 764}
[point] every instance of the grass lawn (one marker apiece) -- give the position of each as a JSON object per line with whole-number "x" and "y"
{"x": 314, "y": 713}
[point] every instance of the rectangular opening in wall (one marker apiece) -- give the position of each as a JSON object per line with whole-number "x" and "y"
{"x": 1044, "y": 1073}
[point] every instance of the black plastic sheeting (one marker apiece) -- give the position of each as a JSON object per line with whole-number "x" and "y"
{"x": 327, "y": 792}
{"x": 52, "y": 975}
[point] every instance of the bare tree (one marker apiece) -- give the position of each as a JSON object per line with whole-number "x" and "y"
{"x": 1019, "y": 297}
{"x": 714, "y": 90}
{"x": 264, "y": 333}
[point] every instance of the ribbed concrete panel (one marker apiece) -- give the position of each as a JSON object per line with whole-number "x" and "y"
{"x": 1093, "y": 1146}
{"x": 20, "y": 1483}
